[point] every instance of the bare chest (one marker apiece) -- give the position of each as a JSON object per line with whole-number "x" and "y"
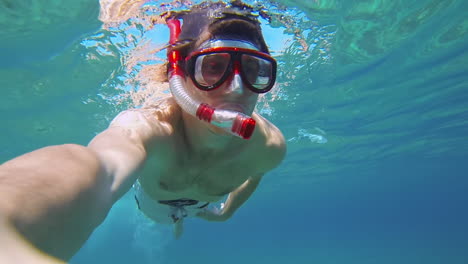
{"x": 173, "y": 176}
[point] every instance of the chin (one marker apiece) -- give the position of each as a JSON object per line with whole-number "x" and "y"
{"x": 235, "y": 107}
{"x": 218, "y": 131}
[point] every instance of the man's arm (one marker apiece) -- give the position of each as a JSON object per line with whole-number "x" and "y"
{"x": 273, "y": 153}
{"x": 234, "y": 201}
{"x": 240, "y": 195}
{"x": 15, "y": 249}
{"x": 57, "y": 195}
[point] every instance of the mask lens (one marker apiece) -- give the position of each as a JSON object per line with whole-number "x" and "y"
{"x": 258, "y": 71}
{"x": 210, "y": 68}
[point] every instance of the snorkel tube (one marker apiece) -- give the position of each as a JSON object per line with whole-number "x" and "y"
{"x": 233, "y": 122}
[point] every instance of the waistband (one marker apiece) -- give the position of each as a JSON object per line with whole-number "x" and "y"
{"x": 183, "y": 202}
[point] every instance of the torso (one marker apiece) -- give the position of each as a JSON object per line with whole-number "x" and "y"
{"x": 172, "y": 171}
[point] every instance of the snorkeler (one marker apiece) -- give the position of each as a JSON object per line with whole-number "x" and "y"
{"x": 180, "y": 154}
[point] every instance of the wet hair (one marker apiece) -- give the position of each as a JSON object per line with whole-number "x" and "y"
{"x": 218, "y": 20}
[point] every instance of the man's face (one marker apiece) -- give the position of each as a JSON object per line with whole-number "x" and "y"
{"x": 232, "y": 94}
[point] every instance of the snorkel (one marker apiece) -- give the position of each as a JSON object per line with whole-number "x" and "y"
{"x": 233, "y": 122}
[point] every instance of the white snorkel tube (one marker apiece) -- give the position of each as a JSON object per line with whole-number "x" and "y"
{"x": 233, "y": 122}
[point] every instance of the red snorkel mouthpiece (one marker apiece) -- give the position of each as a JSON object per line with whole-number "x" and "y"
{"x": 205, "y": 112}
{"x": 243, "y": 126}
{"x": 234, "y": 122}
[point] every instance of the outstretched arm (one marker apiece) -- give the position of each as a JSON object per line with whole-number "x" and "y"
{"x": 15, "y": 249}
{"x": 57, "y": 195}
{"x": 235, "y": 200}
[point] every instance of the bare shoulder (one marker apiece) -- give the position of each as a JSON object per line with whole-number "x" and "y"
{"x": 162, "y": 111}
{"x": 270, "y": 140}
{"x": 151, "y": 122}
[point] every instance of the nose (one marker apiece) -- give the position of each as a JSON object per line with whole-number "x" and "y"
{"x": 236, "y": 86}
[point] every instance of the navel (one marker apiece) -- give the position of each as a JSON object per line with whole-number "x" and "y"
{"x": 163, "y": 186}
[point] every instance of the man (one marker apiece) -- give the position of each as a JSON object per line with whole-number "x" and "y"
{"x": 186, "y": 151}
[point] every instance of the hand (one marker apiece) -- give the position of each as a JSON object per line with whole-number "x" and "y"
{"x": 213, "y": 216}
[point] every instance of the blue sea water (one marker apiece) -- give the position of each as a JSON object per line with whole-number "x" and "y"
{"x": 372, "y": 99}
